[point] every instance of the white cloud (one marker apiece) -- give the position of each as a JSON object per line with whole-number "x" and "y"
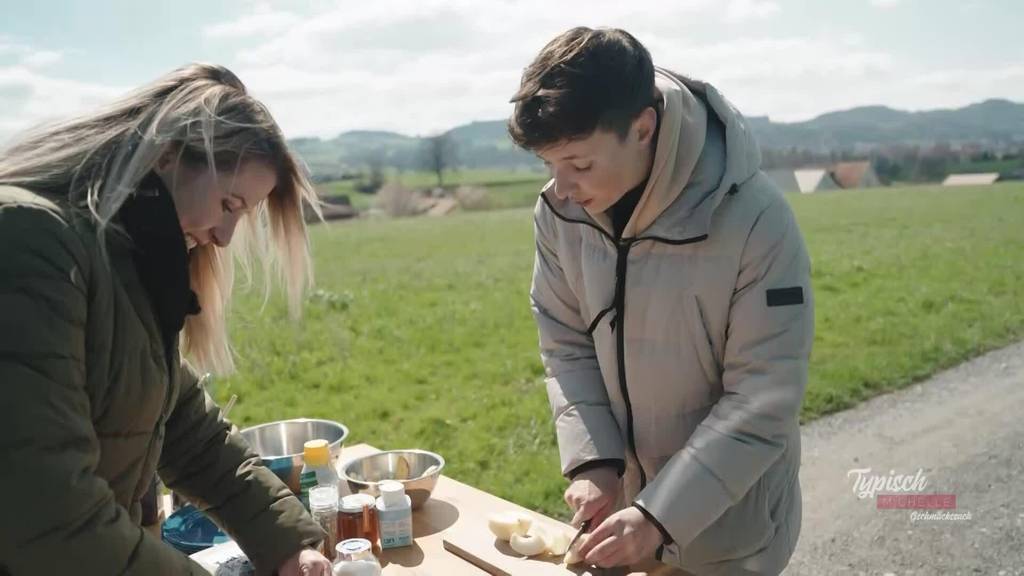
{"x": 426, "y": 66}
{"x": 31, "y": 93}
{"x": 28, "y": 97}
{"x": 42, "y": 58}
{"x": 958, "y": 86}
{"x": 781, "y": 60}
{"x": 421, "y": 67}
{"x": 886, "y": 3}
{"x": 750, "y": 9}
{"x": 264, "y": 22}
{"x": 26, "y": 55}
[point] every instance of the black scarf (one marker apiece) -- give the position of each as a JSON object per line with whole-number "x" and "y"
{"x": 160, "y": 255}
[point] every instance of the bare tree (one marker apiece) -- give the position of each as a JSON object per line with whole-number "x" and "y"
{"x": 373, "y": 174}
{"x": 439, "y": 155}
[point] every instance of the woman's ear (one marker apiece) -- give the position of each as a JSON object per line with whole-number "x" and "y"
{"x": 166, "y": 162}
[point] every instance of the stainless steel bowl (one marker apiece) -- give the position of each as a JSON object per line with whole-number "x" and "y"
{"x": 418, "y": 470}
{"x": 280, "y": 444}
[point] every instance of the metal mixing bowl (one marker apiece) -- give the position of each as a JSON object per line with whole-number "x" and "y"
{"x": 280, "y": 444}
{"x": 418, "y": 470}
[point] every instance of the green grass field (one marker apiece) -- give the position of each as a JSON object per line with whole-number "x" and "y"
{"x": 421, "y": 335}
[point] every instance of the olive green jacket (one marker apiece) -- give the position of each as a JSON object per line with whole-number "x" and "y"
{"x": 90, "y": 411}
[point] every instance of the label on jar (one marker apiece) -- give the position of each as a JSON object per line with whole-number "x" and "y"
{"x": 307, "y": 481}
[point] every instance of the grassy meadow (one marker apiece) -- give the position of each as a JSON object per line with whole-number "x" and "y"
{"x": 420, "y": 333}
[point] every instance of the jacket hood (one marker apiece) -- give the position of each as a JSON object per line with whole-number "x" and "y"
{"x": 678, "y": 201}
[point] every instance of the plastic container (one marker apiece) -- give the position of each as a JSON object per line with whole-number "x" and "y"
{"x": 190, "y": 531}
{"x": 323, "y": 506}
{"x": 316, "y": 469}
{"x": 394, "y": 510}
{"x": 354, "y": 557}
{"x": 357, "y": 518}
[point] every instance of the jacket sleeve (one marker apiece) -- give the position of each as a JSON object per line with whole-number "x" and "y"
{"x": 584, "y": 424}
{"x": 771, "y": 329}
{"x": 58, "y": 516}
{"x": 206, "y": 460}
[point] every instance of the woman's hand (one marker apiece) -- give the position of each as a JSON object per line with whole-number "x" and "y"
{"x": 306, "y": 562}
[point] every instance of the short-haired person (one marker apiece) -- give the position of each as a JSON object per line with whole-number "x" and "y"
{"x": 672, "y": 293}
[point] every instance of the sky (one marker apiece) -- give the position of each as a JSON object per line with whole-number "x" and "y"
{"x": 423, "y": 66}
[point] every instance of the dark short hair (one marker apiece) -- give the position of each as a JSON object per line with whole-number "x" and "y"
{"x": 583, "y": 80}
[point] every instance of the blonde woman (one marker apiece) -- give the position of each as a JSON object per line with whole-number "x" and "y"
{"x": 114, "y": 234}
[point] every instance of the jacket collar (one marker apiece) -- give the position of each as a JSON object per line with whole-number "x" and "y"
{"x": 160, "y": 258}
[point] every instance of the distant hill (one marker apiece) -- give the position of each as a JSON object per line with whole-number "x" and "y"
{"x": 486, "y": 144}
{"x": 991, "y": 121}
{"x": 477, "y": 145}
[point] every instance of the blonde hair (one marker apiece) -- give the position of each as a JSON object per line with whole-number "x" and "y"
{"x": 96, "y": 161}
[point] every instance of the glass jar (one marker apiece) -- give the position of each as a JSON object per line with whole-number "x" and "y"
{"x": 355, "y": 558}
{"x": 357, "y": 518}
{"x": 323, "y": 506}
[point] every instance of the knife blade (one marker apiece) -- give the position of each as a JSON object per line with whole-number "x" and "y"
{"x": 583, "y": 529}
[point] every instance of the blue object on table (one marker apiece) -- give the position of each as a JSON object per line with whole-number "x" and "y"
{"x": 190, "y": 531}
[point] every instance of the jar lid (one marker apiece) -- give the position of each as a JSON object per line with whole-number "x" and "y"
{"x": 316, "y": 452}
{"x": 356, "y": 503}
{"x": 353, "y": 546}
{"x": 392, "y": 492}
{"x": 323, "y": 497}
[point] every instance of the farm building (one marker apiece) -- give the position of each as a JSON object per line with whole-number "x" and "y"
{"x": 803, "y": 181}
{"x": 983, "y": 179}
{"x": 855, "y": 175}
{"x": 838, "y": 176}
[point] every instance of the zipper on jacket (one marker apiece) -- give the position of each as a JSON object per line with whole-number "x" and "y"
{"x": 618, "y": 324}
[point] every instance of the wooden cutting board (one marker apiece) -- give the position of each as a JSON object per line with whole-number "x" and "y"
{"x": 471, "y": 540}
{"x": 474, "y": 542}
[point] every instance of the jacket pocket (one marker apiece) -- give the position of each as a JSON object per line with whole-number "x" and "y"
{"x": 700, "y": 341}
{"x": 742, "y": 530}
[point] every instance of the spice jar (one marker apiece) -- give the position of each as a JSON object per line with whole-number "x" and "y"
{"x": 355, "y": 559}
{"x": 323, "y": 506}
{"x": 357, "y": 518}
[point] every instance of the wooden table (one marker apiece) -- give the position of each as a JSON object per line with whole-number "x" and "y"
{"x": 452, "y": 506}
{"x": 451, "y": 502}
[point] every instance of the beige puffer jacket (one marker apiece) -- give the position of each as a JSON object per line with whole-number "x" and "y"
{"x": 682, "y": 348}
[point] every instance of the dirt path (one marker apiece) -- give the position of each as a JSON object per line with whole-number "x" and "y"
{"x": 964, "y": 428}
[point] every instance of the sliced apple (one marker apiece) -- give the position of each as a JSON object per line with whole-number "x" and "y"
{"x": 572, "y": 555}
{"x": 529, "y": 544}
{"x": 558, "y": 543}
{"x": 504, "y": 525}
